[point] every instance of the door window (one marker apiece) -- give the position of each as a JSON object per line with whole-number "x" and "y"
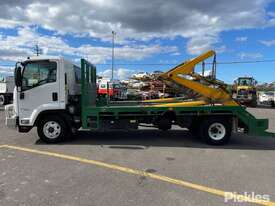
{"x": 77, "y": 72}
{"x": 38, "y": 73}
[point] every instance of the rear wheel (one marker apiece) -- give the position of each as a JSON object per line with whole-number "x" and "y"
{"x": 164, "y": 124}
{"x": 52, "y": 129}
{"x": 216, "y": 131}
{"x": 2, "y": 100}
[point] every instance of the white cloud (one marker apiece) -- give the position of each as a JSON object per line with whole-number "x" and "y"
{"x": 120, "y": 73}
{"x": 250, "y": 55}
{"x": 199, "y": 44}
{"x": 6, "y": 71}
{"x": 15, "y": 48}
{"x": 221, "y": 49}
{"x": 268, "y": 43}
{"x": 6, "y": 23}
{"x": 271, "y": 14}
{"x": 200, "y": 22}
{"x": 124, "y": 73}
{"x": 106, "y": 73}
{"x": 241, "y": 39}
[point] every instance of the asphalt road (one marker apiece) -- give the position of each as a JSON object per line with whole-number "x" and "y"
{"x": 34, "y": 173}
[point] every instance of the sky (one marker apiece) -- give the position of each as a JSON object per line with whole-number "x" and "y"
{"x": 150, "y": 35}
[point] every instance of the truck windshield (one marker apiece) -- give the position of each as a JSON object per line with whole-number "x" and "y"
{"x": 245, "y": 82}
{"x": 38, "y": 73}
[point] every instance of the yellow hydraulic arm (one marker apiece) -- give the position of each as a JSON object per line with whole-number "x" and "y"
{"x": 211, "y": 90}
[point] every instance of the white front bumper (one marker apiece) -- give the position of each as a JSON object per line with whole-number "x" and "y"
{"x": 10, "y": 116}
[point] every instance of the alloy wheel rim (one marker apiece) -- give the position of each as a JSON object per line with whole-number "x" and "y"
{"x": 51, "y": 129}
{"x": 216, "y": 131}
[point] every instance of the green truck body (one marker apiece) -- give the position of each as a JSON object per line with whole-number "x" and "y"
{"x": 96, "y": 115}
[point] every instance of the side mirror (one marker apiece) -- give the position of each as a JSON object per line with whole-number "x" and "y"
{"x": 17, "y": 76}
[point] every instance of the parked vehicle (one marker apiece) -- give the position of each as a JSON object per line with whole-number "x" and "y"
{"x": 48, "y": 97}
{"x": 114, "y": 89}
{"x": 6, "y": 90}
{"x": 133, "y": 94}
{"x": 267, "y": 98}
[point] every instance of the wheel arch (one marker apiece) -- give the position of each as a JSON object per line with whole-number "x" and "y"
{"x": 60, "y": 113}
{"x": 198, "y": 119}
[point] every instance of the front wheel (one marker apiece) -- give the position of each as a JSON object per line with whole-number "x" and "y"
{"x": 52, "y": 129}
{"x": 216, "y": 131}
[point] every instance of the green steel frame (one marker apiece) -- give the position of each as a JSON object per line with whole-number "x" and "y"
{"x": 88, "y": 87}
{"x": 92, "y": 114}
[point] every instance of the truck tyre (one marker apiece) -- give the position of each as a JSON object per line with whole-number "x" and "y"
{"x": 164, "y": 124}
{"x": 2, "y": 100}
{"x": 216, "y": 130}
{"x": 52, "y": 129}
{"x": 272, "y": 104}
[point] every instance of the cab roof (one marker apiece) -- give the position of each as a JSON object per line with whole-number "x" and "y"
{"x": 43, "y": 57}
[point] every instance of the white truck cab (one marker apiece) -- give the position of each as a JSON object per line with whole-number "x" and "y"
{"x": 44, "y": 85}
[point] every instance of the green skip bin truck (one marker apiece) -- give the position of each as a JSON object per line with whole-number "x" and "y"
{"x": 60, "y": 98}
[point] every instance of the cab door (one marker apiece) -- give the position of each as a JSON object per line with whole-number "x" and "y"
{"x": 39, "y": 91}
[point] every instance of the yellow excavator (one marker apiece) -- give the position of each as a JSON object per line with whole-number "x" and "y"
{"x": 211, "y": 90}
{"x": 244, "y": 91}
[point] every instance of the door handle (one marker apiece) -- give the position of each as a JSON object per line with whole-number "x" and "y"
{"x": 22, "y": 95}
{"x": 54, "y": 96}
